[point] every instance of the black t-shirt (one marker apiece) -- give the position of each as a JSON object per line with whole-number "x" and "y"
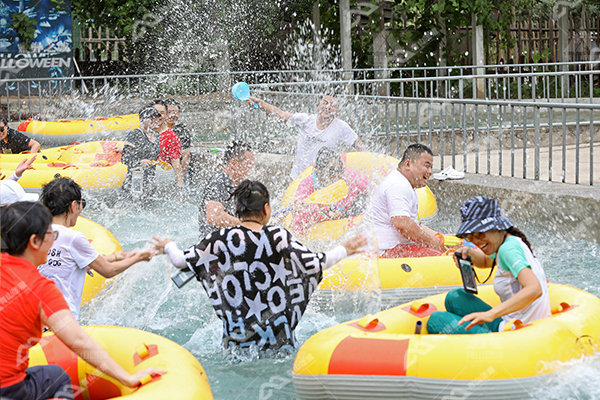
{"x": 259, "y": 283}
{"x": 16, "y": 142}
{"x": 219, "y": 189}
{"x": 144, "y": 150}
{"x": 185, "y": 136}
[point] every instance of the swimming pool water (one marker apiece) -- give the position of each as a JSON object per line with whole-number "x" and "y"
{"x": 144, "y": 297}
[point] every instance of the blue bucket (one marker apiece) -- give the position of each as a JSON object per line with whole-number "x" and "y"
{"x": 241, "y": 91}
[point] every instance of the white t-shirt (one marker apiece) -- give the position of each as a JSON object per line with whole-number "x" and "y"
{"x": 513, "y": 256}
{"x": 394, "y": 197}
{"x": 311, "y": 139}
{"x": 66, "y": 265}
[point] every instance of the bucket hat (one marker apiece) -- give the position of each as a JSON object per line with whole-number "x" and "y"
{"x": 481, "y": 214}
{"x": 11, "y": 192}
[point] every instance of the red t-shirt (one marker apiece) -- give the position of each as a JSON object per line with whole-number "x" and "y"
{"x": 23, "y": 290}
{"x": 170, "y": 146}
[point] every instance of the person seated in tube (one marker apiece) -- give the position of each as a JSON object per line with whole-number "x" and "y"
{"x": 217, "y": 206}
{"x": 329, "y": 169}
{"x": 30, "y": 301}
{"x": 315, "y": 131}
{"x": 394, "y": 206}
{"x": 182, "y": 131}
{"x": 170, "y": 145}
{"x": 520, "y": 280}
{"x": 72, "y": 255}
{"x": 14, "y": 142}
{"x": 258, "y": 277}
{"x": 142, "y": 148}
{"x": 10, "y": 190}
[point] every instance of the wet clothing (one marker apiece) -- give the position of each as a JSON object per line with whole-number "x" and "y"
{"x": 41, "y": 382}
{"x": 67, "y": 263}
{"x": 394, "y": 197}
{"x": 351, "y": 205}
{"x": 23, "y": 291}
{"x": 170, "y": 147}
{"x": 16, "y": 142}
{"x": 142, "y": 149}
{"x": 311, "y": 139}
{"x": 410, "y": 250}
{"x": 259, "y": 283}
{"x": 219, "y": 189}
{"x": 185, "y": 136}
{"x": 512, "y": 257}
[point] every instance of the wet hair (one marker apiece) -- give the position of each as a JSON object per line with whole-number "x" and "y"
{"x": 59, "y": 193}
{"x": 518, "y": 233}
{"x": 20, "y": 220}
{"x": 172, "y": 102}
{"x": 250, "y": 199}
{"x": 413, "y": 152}
{"x": 237, "y": 149}
{"x": 159, "y": 102}
{"x": 148, "y": 112}
{"x": 326, "y": 156}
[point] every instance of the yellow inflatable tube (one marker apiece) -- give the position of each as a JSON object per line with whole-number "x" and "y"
{"x": 134, "y": 350}
{"x": 380, "y": 356}
{"x": 79, "y": 127}
{"x": 371, "y": 165}
{"x": 402, "y": 279}
{"x": 105, "y": 243}
{"x": 93, "y": 165}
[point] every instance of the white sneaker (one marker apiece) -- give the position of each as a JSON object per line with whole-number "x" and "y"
{"x": 449, "y": 173}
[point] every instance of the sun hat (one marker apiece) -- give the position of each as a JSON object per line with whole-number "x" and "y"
{"x": 149, "y": 112}
{"x": 481, "y": 214}
{"x": 11, "y": 192}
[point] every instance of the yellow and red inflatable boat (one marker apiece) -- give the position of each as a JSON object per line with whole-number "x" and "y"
{"x": 64, "y": 131}
{"x": 370, "y": 165}
{"x": 401, "y": 279}
{"x": 381, "y": 357}
{"x": 93, "y": 165}
{"x": 105, "y": 243}
{"x": 134, "y": 350}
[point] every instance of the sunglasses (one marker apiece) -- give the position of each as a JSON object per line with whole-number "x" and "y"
{"x": 82, "y": 202}
{"x": 54, "y": 234}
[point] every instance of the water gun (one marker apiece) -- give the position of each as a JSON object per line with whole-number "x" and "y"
{"x": 453, "y": 241}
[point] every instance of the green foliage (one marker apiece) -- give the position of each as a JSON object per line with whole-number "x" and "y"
{"x": 25, "y": 28}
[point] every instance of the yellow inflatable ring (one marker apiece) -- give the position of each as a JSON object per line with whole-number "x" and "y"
{"x": 78, "y": 127}
{"x": 134, "y": 350}
{"x": 402, "y": 279}
{"x": 93, "y": 165}
{"x": 380, "y": 356}
{"x": 105, "y": 243}
{"x": 371, "y": 165}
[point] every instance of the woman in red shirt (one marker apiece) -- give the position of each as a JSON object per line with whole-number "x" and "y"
{"x": 26, "y": 239}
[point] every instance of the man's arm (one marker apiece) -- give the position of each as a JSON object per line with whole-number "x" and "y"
{"x": 216, "y": 215}
{"x": 176, "y": 164}
{"x": 410, "y": 230}
{"x": 270, "y": 109}
{"x": 34, "y": 146}
{"x": 359, "y": 145}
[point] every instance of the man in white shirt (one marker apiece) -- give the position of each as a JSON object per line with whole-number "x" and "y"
{"x": 316, "y": 131}
{"x": 394, "y": 206}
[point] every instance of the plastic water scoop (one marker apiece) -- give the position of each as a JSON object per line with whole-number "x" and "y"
{"x": 330, "y": 194}
{"x": 241, "y": 91}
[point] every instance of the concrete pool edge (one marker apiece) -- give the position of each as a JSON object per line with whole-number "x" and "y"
{"x": 569, "y": 210}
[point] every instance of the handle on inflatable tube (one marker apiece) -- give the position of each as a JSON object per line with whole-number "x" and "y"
{"x": 512, "y": 325}
{"x": 368, "y": 321}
